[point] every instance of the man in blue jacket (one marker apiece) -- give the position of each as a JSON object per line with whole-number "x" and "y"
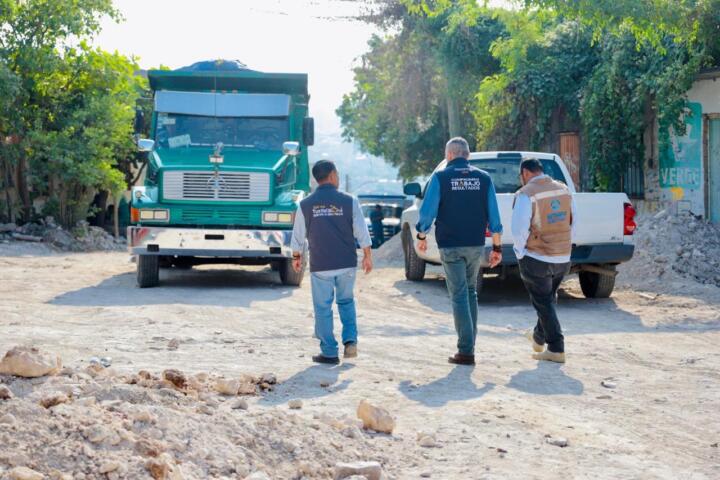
{"x": 461, "y": 200}
{"x": 332, "y": 222}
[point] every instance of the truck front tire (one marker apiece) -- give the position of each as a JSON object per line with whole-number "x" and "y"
{"x": 148, "y": 271}
{"x": 288, "y": 276}
{"x": 596, "y": 285}
{"x": 414, "y": 265}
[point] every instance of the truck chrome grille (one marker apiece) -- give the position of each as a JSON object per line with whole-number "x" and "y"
{"x": 227, "y": 186}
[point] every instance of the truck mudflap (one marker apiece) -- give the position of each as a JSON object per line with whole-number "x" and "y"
{"x": 602, "y": 253}
{"x": 201, "y": 242}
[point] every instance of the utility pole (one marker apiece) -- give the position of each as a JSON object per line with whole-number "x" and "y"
{"x": 347, "y": 182}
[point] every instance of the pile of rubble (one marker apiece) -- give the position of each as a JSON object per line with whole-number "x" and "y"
{"x": 672, "y": 248}
{"x": 64, "y": 423}
{"x": 82, "y": 238}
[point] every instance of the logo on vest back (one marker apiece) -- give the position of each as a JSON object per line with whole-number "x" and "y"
{"x": 326, "y": 211}
{"x": 555, "y": 205}
{"x": 465, "y": 184}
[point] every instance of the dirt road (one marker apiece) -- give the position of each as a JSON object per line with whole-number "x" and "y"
{"x": 660, "y": 353}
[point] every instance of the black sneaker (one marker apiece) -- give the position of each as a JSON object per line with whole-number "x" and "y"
{"x": 324, "y": 359}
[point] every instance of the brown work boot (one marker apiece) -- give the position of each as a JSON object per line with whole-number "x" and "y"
{"x": 350, "y": 350}
{"x": 462, "y": 359}
{"x": 535, "y": 346}
{"x": 547, "y": 355}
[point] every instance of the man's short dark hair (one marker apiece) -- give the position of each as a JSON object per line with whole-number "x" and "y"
{"x": 531, "y": 164}
{"x": 322, "y": 170}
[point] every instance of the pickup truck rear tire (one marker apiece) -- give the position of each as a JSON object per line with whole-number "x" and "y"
{"x": 288, "y": 276}
{"x": 148, "y": 271}
{"x": 596, "y": 285}
{"x": 414, "y": 265}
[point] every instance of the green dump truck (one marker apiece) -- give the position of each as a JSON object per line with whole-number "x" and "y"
{"x": 227, "y": 165}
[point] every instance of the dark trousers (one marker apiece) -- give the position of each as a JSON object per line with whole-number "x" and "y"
{"x": 542, "y": 280}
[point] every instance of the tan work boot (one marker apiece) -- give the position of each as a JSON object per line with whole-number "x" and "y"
{"x": 547, "y": 355}
{"x": 536, "y": 346}
{"x": 350, "y": 350}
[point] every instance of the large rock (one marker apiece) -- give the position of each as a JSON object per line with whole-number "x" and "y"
{"x": 24, "y": 473}
{"x": 29, "y": 362}
{"x": 369, "y": 470}
{"x": 5, "y": 393}
{"x": 227, "y": 387}
{"x": 375, "y": 418}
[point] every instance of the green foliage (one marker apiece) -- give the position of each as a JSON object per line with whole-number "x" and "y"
{"x": 72, "y": 106}
{"x": 415, "y": 87}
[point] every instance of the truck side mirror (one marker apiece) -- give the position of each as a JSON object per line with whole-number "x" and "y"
{"x": 139, "y": 124}
{"x": 291, "y": 148}
{"x": 413, "y": 189}
{"x": 308, "y": 133}
{"x": 145, "y": 144}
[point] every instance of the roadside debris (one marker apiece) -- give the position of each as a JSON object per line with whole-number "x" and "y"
{"x": 557, "y": 441}
{"x": 375, "y": 418}
{"x": 609, "y": 383}
{"x": 369, "y": 470}
{"x": 83, "y": 237}
{"x": 29, "y": 362}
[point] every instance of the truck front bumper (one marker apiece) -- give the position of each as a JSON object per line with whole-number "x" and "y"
{"x": 201, "y": 242}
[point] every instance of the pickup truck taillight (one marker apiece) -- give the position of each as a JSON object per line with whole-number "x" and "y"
{"x": 629, "y": 224}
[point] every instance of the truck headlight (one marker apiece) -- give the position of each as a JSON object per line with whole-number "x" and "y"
{"x": 278, "y": 217}
{"x": 154, "y": 214}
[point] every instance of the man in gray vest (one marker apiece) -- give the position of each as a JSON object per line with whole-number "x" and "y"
{"x": 461, "y": 200}
{"x": 543, "y": 220}
{"x": 332, "y": 222}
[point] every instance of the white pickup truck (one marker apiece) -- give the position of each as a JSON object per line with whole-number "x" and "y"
{"x": 603, "y": 234}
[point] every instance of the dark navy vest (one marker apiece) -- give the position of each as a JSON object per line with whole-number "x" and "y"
{"x": 463, "y": 213}
{"x": 329, "y": 223}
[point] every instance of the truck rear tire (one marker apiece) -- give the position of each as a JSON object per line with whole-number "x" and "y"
{"x": 288, "y": 276}
{"x": 414, "y": 265}
{"x": 596, "y": 285}
{"x": 148, "y": 271}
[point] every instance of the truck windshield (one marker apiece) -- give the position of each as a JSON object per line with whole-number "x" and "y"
{"x": 505, "y": 173}
{"x": 175, "y": 131}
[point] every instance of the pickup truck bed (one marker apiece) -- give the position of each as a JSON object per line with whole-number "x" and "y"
{"x": 603, "y": 233}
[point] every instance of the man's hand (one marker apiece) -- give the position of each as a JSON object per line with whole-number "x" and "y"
{"x": 422, "y": 245}
{"x": 297, "y": 262}
{"x": 367, "y": 264}
{"x": 495, "y": 259}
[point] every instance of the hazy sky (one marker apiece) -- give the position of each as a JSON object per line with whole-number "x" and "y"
{"x": 268, "y": 35}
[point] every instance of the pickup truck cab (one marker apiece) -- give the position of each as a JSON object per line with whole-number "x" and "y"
{"x": 603, "y": 232}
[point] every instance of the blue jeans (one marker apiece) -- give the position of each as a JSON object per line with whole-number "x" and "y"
{"x": 325, "y": 287}
{"x": 462, "y": 265}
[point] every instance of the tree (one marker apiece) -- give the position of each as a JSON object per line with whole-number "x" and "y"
{"x": 414, "y": 88}
{"x": 73, "y": 107}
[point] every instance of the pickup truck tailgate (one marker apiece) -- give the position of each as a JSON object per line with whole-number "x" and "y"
{"x": 600, "y": 217}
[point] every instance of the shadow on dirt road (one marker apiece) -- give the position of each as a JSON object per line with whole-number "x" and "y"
{"x": 214, "y": 287}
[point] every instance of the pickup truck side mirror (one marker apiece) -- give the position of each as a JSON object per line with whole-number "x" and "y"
{"x": 145, "y": 144}
{"x": 308, "y": 133}
{"x": 413, "y": 189}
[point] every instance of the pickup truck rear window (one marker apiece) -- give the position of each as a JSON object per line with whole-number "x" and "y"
{"x": 505, "y": 172}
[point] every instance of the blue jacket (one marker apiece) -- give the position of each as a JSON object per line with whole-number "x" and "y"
{"x": 461, "y": 200}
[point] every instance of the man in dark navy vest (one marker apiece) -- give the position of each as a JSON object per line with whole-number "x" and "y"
{"x": 332, "y": 222}
{"x": 461, "y": 200}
